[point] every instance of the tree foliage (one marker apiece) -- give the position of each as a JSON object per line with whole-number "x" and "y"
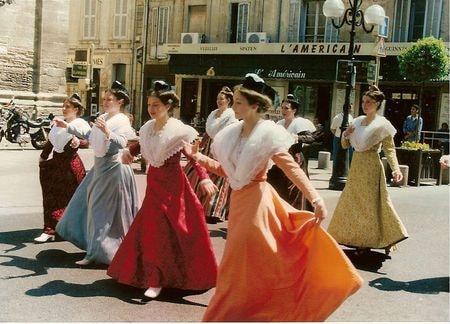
{"x": 428, "y": 59}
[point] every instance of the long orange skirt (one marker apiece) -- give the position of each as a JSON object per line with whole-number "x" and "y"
{"x": 278, "y": 264}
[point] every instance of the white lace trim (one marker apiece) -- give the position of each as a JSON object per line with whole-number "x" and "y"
{"x": 299, "y": 124}
{"x": 214, "y": 125}
{"x": 59, "y": 137}
{"x": 157, "y": 147}
{"x": 364, "y": 138}
{"x": 266, "y": 139}
{"x": 118, "y": 124}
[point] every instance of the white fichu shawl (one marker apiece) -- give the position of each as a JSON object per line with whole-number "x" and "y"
{"x": 214, "y": 125}
{"x": 364, "y": 138}
{"x": 157, "y": 147}
{"x": 265, "y": 140}
{"x": 298, "y": 124}
{"x": 59, "y": 137}
{"x": 119, "y": 124}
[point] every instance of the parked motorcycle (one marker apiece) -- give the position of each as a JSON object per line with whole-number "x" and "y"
{"x": 16, "y": 127}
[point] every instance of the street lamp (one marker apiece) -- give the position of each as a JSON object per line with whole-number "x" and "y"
{"x": 354, "y": 17}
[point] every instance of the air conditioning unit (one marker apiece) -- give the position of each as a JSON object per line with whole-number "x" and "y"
{"x": 260, "y": 37}
{"x": 190, "y": 38}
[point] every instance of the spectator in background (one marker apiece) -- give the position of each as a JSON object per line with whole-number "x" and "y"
{"x": 443, "y": 138}
{"x": 198, "y": 122}
{"x": 412, "y": 126}
{"x": 335, "y": 128}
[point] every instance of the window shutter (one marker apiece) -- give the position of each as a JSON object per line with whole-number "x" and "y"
{"x": 163, "y": 25}
{"x": 294, "y": 20}
{"x": 433, "y": 18}
{"x": 154, "y": 26}
{"x": 401, "y": 21}
{"x": 242, "y": 22}
{"x": 120, "y": 19}
{"x": 89, "y": 19}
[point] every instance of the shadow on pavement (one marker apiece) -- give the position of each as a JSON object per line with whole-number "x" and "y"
{"x": 110, "y": 288}
{"x": 44, "y": 260}
{"x": 176, "y": 296}
{"x": 368, "y": 261}
{"x": 103, "y": 287}
{"x": 421, "y": 286}
{"x": 221, "y": 232}
{"x": 18, "y": 239}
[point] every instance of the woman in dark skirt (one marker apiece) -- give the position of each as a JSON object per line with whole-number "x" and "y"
{"x": 60, "y": 175}
{"x": 302, "y": 129}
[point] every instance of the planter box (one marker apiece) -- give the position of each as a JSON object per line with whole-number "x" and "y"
{"x": 424, "y": 167}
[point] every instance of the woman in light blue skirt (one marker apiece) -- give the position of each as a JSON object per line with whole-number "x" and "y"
{"x": 103, "y": 207}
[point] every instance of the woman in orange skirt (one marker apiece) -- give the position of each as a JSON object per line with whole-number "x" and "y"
{"x": 279, "y": 264}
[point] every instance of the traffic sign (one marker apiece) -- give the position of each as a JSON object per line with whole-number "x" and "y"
{"x": 371, "y": 71}
{"x": 380, "y": 48}
{"x": 343, "y": 68}
{"x": 79, "y": 70}
{"x": 383, "y": 29}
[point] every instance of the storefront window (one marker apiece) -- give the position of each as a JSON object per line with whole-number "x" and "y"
{"x": 307, "y": 96}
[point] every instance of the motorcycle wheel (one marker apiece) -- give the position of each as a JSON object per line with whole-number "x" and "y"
{"x": 39, "y": 140}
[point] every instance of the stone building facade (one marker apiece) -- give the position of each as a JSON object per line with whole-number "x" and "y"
{"x": 33, "y": 51}
{"x": 202, "y": 45}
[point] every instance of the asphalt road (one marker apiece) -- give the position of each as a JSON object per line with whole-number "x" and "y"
{"x": 41, "y": 283}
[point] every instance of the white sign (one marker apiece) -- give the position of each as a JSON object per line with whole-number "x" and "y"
{"x": 380, "y": 48}
{"x": 383, "y": 29}
{"x": 392, "y": 49}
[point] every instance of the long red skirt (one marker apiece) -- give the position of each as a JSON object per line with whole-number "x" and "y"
{"x": 168, "y": 244}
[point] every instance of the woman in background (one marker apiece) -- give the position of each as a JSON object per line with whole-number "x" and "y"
{"x": 61, "y": 175}
{"x": 294, "y": 125}
{"x": 365, "y": 217}
{"x": 104, "y": 205}
{"x": 216, "y": 207}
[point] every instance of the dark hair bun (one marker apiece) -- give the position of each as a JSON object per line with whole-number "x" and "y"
{"x": 162, "y": 86}
{"x": 256, "y": 83}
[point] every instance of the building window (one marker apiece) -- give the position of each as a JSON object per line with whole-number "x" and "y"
{"x": 119, "y": 72}
{"x": 415, "y": 19}
{"x": 239, "y": 22}
{"x": 315, "y": 27}
{"x": 90, "y": 11}
{"x": 160, "y": 25}
{"x": 120, "y": 19}
{"x": 294, "y": 20}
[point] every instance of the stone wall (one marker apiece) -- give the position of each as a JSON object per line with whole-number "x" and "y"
{"x": 33, "y": 53}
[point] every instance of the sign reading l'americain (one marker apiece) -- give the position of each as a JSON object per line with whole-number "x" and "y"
{"x": 393, "y": 49}
{"x": 281, "y": 73}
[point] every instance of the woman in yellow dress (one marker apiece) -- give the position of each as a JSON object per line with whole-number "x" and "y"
{"x": 279, "y": 264}
{"x": 365, "y": 217}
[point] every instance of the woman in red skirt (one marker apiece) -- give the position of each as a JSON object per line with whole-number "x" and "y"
{"x": 168, "y": 244}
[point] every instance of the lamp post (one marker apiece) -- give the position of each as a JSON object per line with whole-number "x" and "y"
{"x": 354, "y": 17}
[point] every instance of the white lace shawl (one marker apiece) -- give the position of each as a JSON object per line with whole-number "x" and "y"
{"x": 364, "y": 138}
{"x": 59, "y": 137}
{"x": 157, "y": 147}
{"x": 214, "y": 125}
{"x": 119, "y": 124}
{"x": 298, "y": 125}
{"x": 265, "y": 140}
